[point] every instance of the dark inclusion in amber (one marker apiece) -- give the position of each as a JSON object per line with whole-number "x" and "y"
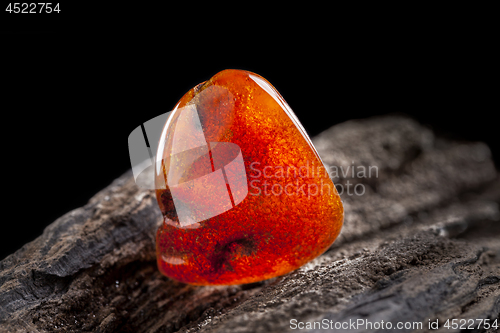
{"x": 244, "y": 194}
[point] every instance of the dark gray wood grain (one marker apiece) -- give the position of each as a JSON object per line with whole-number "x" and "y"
{"x": 421, "y": 244}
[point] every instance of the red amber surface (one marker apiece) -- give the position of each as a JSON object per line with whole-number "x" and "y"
{"x": 244, "y": 194}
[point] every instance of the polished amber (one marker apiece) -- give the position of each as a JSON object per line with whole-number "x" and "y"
{"x": 244, "y": 194}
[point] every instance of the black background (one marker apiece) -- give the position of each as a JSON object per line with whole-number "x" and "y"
{"x": 75, "y": 86}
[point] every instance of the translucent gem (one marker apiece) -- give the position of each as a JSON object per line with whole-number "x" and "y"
{"x": 244, "y": 194}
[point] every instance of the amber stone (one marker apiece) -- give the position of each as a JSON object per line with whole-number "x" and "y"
{"x": 244, "y": 194}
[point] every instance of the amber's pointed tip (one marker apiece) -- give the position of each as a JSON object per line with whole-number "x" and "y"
{"x": 233, "y": 70}
{"x": 222, "y": 73}
{"x": 198, "y": 86}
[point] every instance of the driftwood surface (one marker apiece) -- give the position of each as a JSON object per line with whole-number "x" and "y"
{"x": 422, "y": 243}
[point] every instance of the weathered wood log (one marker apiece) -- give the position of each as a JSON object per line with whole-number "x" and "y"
{"x": 422, "y": 243}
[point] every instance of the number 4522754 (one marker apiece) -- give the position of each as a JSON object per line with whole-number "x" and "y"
{"x": 33, "y": 8}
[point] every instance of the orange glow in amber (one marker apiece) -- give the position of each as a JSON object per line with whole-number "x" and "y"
{"x": 244, "y": 194}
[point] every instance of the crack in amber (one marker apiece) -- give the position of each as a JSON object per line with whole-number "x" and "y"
{"x": 258, "y": 237}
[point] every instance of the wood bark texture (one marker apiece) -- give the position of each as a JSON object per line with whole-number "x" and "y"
{"x": 422, "y": 243}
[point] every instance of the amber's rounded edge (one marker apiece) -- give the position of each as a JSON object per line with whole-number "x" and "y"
{"x": 341, "y": 222}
